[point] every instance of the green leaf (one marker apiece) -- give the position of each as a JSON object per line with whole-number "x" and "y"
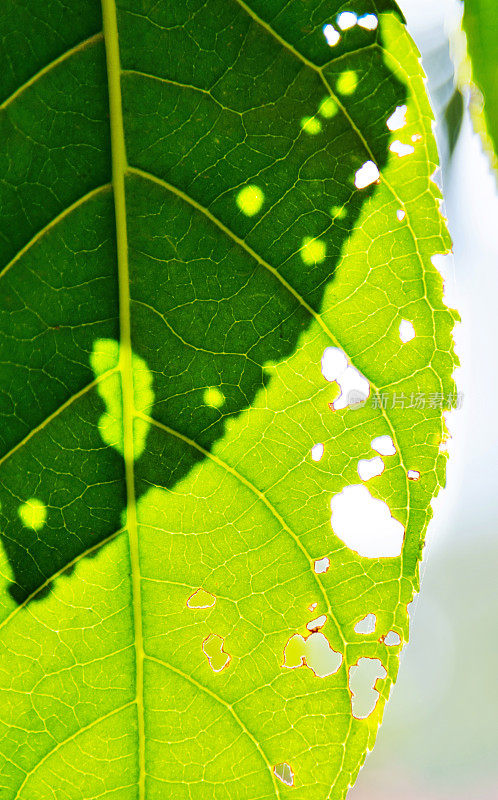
{"x": 191, "y": 274}
{"x": 453, "y": 118}
{"x": 480, "y": 22}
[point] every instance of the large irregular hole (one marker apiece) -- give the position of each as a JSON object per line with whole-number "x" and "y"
{"x": 320, "y": 657}
{"x": 284, "y": 773}
{"x": 214, "y": 652}
{"x": 201, "y": 599}
{"x": 365, "y": 524}
{"x": 317, "y": 452}
{"x": 313, "y": 652}
{"x": 362, "y": 679}
{"x": 366, "y": 175}
{"x": 370, "y": 468}
{"x": 366, "y": 625}
{"x": 334, "y": 363}
{"x": 384, "y": 445}
{"x": 397, "y": 120}
{"x": 401, "y": 149}
{"x": 354, "y": 387}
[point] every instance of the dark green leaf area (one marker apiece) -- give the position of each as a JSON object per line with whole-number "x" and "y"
{"x": 221, "y": 286}
{"x": 199, "y": 130}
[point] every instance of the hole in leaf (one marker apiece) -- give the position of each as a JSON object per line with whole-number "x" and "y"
{"x": 413, "y": 475}
{"x": 347, "y": 20}
{"x": 362, "y": 679}
{"x": 366, "y": 625}
{"x": 365, "y": 524}
{"x": 332, "y": 36}
{"x": 322, "y": 565}
{"x": 313, "y": 652}
{"x": 401, "y": 149}
{"x": 368, "y": 21}
{"x": 315, "y": 624}
{"x": 397, "y": 120}
{"x": 354, "y": 387}
{"x": 214, "y": 652}
{"x": 370, "y": 468}
{"x": 284, "y": 773}
{"x": 392, "y": 639}
{"x": 384, "y": 445}
{"x": 406, "y": 331}
{"x": 317, "y": 452}
{"x": 400, "y": 214}
{"x": 201, "y": 599}
{"x": 334, "y": 363}
{"x": 366, "y": 175}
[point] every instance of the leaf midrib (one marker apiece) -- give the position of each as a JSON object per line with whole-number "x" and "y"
{"x": 119, "y": 167}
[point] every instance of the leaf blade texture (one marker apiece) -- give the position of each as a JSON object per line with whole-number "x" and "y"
{"x": 212, "y": 244}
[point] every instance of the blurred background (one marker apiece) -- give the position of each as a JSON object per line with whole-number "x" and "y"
{"x": 439, "y": 740}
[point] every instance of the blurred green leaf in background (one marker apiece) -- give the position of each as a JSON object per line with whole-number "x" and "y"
{"x": 480, "y": 22}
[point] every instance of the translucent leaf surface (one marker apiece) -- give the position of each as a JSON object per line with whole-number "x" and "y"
{"x": 217, "y": 237}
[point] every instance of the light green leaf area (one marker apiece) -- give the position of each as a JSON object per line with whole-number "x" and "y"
{"x": 212, "y": 245}
{"x": 480, "y": 22}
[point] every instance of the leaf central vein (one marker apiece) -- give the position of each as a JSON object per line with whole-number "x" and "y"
{"x": 119, "y": 166}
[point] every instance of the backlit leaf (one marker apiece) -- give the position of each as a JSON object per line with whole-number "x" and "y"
{"x": 220, "y": 325}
